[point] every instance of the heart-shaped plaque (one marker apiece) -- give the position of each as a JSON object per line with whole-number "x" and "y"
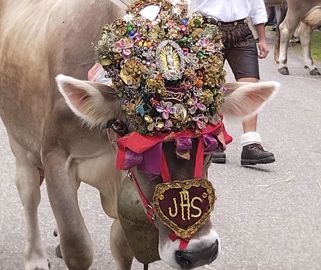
{"x": 184, "y": 206}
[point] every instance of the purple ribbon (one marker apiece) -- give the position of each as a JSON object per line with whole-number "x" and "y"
{"x": 183, "y": 144}
{"x": 210, "y": 143}
{"x": 151, "y": 160}
{"x": 132, "y": 159}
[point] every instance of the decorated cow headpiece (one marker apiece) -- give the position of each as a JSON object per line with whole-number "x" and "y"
{"x": 167, "y": 68}
{"x": 168, "y": 71}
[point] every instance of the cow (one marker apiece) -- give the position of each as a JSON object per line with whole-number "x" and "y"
{"x": 56, "y": 125}
{"x": 306, "y": 15}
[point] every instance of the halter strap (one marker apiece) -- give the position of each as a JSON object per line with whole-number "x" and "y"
{"x": 150, "y": 211}
{"x": 199, "y": 161}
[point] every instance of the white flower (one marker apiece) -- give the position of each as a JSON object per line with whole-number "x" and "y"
{"x": 129, "y": 17}
{"x": 177, "y": 11}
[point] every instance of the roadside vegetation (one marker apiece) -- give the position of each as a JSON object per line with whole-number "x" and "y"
{"x": 315, "y": 46}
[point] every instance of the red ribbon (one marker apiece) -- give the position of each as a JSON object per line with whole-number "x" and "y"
{"x": 139, "y": 143}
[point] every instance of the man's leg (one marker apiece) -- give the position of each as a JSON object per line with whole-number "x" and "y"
{"x": 242, "y": 57}
{"x": 252, "y": 150}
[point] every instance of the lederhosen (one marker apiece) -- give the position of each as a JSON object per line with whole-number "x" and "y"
{"x": 239, "y": 47}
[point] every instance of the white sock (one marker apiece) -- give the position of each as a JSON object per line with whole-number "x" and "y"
{"x": 250, "y": 137}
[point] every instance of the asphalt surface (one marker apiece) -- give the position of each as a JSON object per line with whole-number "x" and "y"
{"x": 268, "y": 216}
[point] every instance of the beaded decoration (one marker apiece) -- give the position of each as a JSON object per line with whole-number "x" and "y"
{"x": 166, "y": 67}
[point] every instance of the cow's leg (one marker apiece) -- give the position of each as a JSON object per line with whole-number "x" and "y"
{"x": 287, "y": 28}
{"x": 28, "y": 181}
{"x": 305, "y": 33}
{"x": 120, "y": 248}
{"x": 75, "y": 242}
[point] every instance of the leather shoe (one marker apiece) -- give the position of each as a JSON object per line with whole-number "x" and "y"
{"x": 254, "y": 153}
{"x": 219, "y": 157}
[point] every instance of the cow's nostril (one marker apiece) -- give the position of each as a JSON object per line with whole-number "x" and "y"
{"x": 183, "y": 260}
{"x": 195, "y": 258}
{"x": 215, "y": 250}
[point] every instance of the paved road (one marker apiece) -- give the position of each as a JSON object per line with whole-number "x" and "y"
{"x": 268, "y": 216}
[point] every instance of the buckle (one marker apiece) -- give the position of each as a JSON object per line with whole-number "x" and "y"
{"x": 130, "y": 175}
{"x": 118, "y": 126}
{"x": 212, "y": 20}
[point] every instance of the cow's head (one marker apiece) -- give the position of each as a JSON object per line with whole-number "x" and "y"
{"x": 96, "y": 104}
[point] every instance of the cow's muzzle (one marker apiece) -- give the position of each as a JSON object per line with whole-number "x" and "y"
{"x": 192, "y": 259}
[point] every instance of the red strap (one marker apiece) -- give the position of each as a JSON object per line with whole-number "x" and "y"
{"x": 199, "y": 160}
{"x": 150, "y": 210}
{"x": 121, "y": 158}
{"x": 165, "y": 170}
{"x": 183, "y": 242}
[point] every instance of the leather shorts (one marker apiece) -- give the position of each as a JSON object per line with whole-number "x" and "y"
{"x": 240, "y": 49}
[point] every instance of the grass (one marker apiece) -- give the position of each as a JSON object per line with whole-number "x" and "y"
{"x": 315, "y": 46}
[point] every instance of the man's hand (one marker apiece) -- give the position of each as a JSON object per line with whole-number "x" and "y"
{"x": 263, "y": 49}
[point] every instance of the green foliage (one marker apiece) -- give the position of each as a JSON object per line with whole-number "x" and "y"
{"x": 316, "y": 46}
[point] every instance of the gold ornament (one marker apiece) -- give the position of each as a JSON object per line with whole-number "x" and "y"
{"x": 169, "y": 59}
{"x": 180, "y": 112}
{"x": 148, "y": 119}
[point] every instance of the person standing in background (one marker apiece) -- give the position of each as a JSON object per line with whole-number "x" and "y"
{"x": 240, "y": 51}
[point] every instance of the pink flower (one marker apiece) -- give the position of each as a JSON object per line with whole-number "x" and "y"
{"x": 124, "y": 46}
{"x": 166, "y": 108}
{"x": 196, "y": 105}
{"x": 201, "y": 121}
{"x": 207, "y": 45}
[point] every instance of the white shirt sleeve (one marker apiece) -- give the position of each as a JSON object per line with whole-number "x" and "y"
{"x": 258, "y": 11}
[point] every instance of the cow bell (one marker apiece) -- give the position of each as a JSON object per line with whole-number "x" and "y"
{"x": 141, "y": 234}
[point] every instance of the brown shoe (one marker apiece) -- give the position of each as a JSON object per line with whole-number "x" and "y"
{"x": 254, "y": 153}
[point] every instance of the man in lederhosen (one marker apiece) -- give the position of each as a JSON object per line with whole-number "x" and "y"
{"x": 242, "y": 55}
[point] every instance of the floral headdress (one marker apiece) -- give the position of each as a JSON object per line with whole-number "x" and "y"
{"x": 168, "y": 68}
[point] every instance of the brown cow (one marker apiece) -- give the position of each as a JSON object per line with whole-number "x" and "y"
{"x": 48, "y": 137}
{"x": 309, "y": 14}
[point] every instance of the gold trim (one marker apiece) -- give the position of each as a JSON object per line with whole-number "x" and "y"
{"x": 185, "y": 185}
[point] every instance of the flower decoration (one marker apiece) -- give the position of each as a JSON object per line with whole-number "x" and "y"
{"x": 166, "y": 108}
{"x": 167, "y": 68}
{"x": 201, "y": 121}
{"x": 129, "y": 17}
{"x": 196, "y": 105}
{"x": 124, "y": 46}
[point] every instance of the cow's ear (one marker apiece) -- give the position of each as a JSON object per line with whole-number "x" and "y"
{"x": 244, "y": 99}
{"x": 94, "y": 103}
